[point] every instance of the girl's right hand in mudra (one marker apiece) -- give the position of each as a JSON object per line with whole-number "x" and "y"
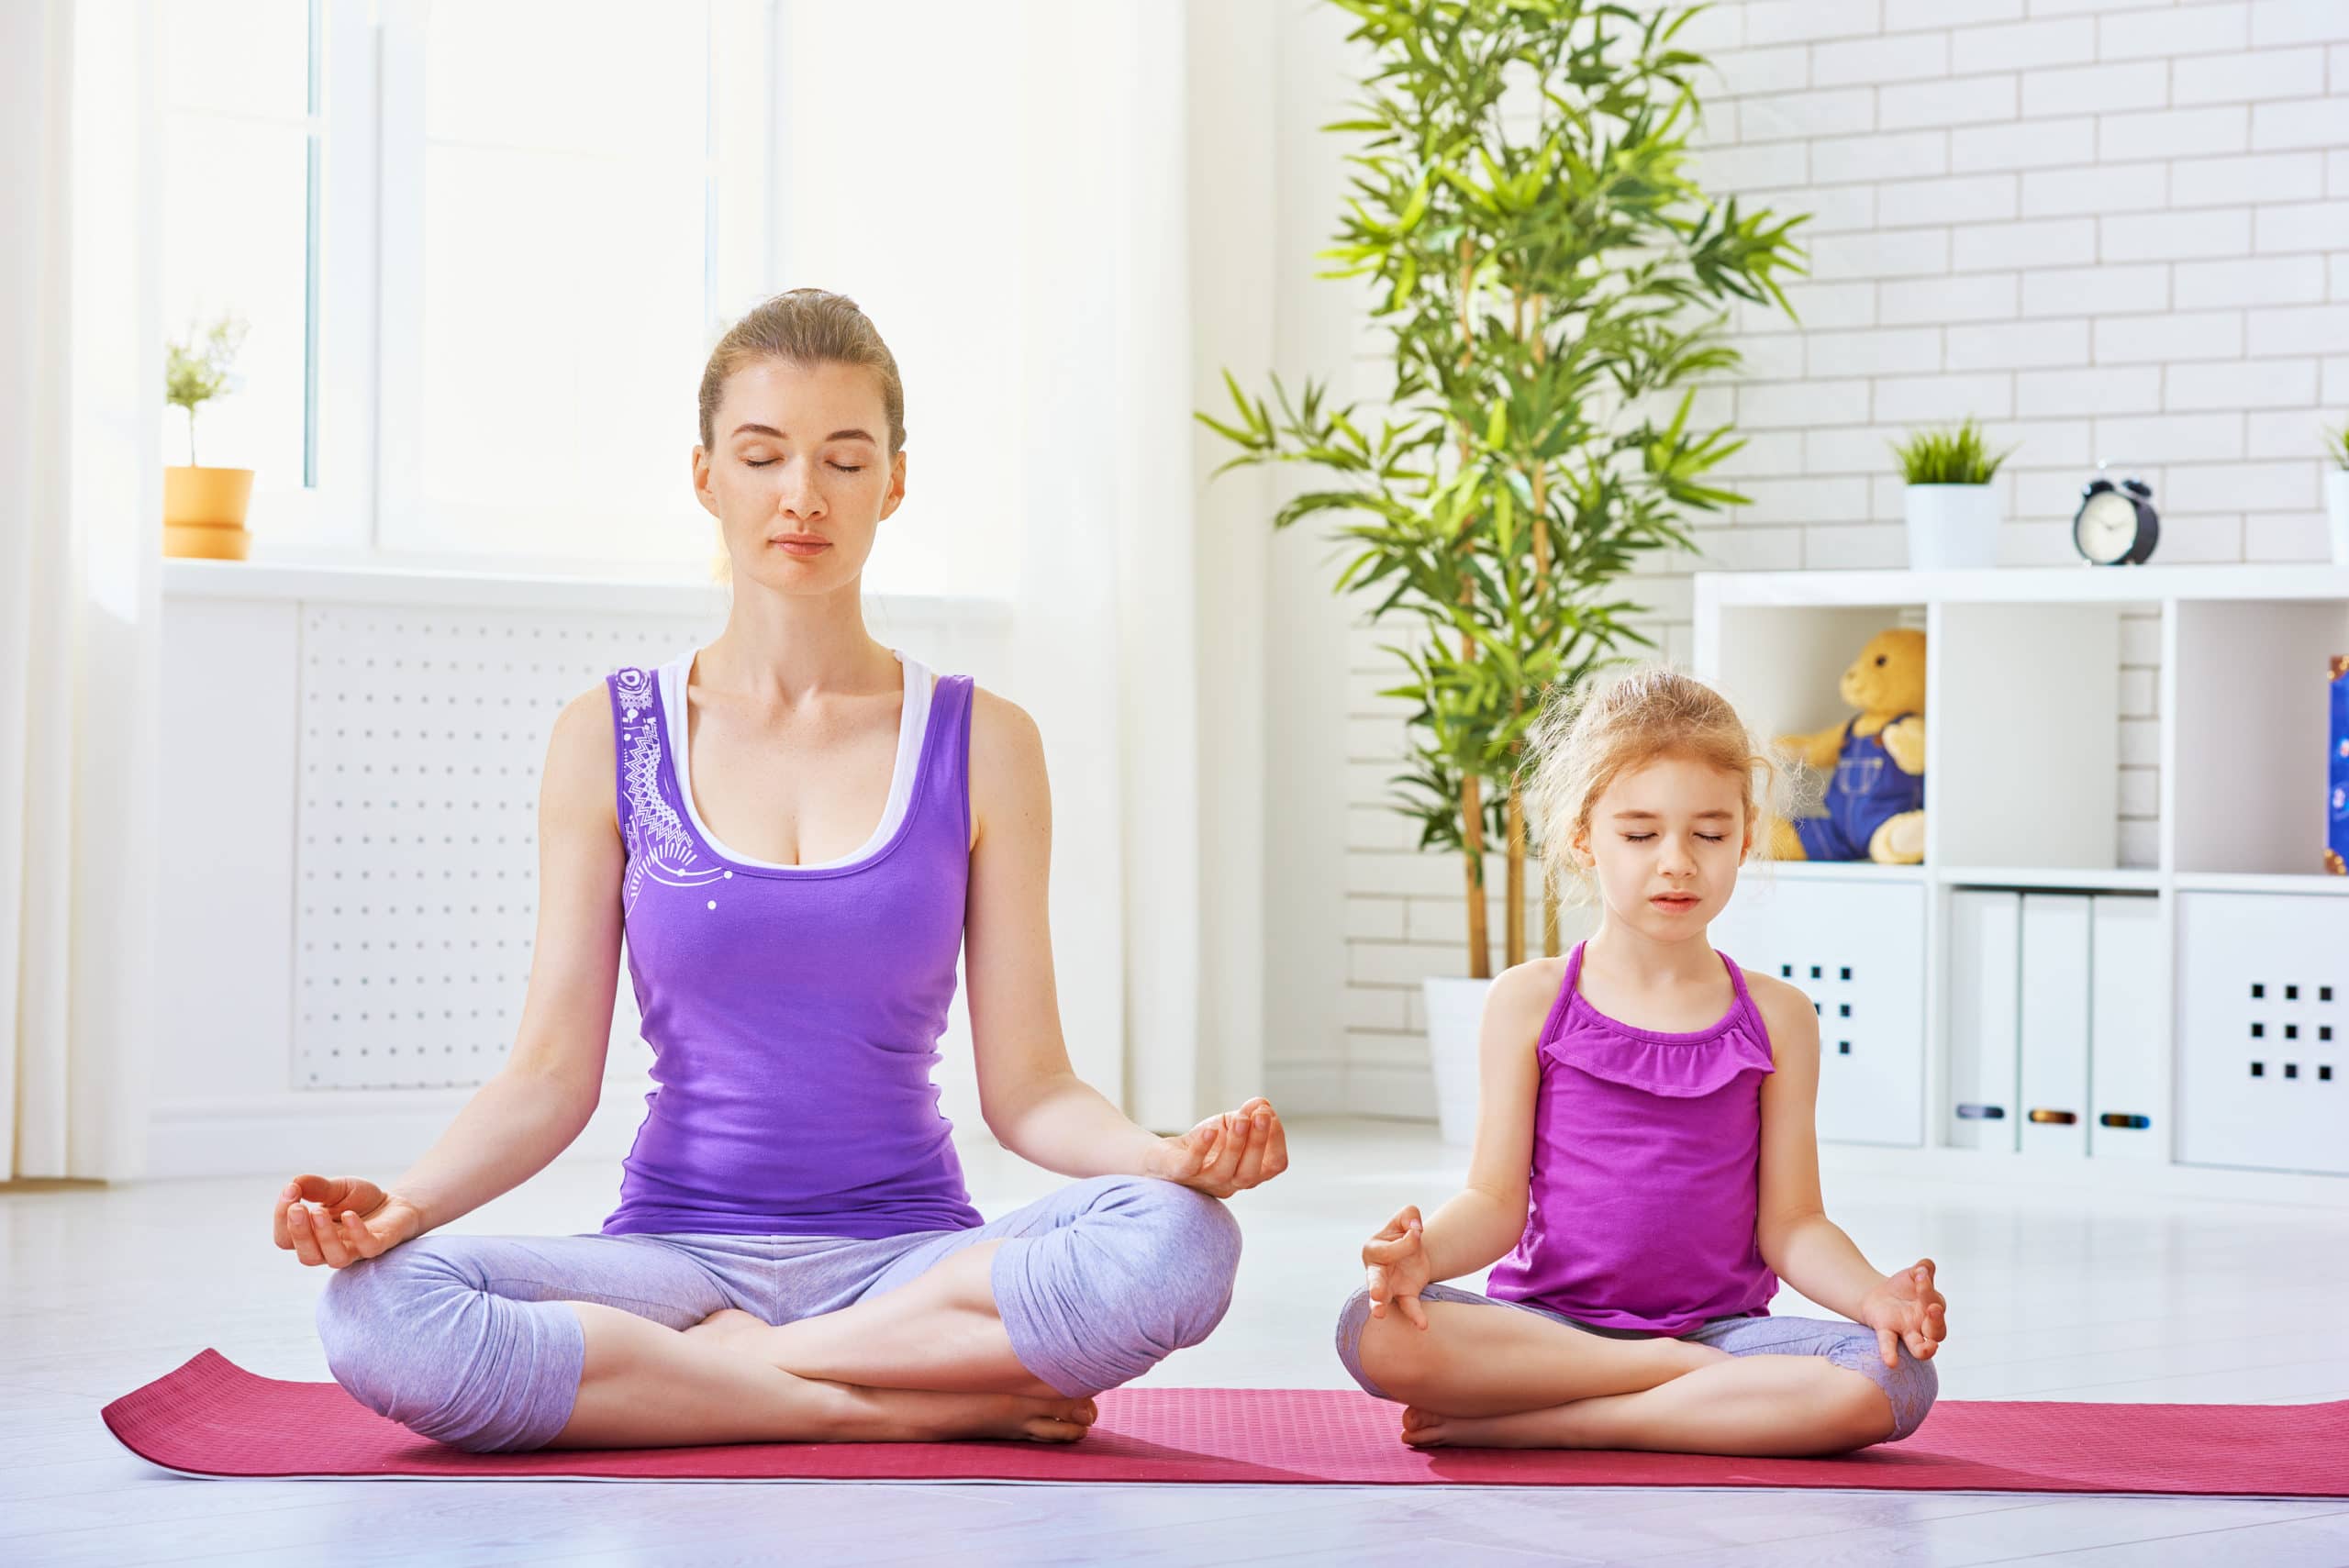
{"x": 1398, "y": 1261}
{"x": 338, "y": 1220}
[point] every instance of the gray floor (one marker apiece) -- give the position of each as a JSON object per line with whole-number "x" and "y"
{"x": 2066, "y": 1298}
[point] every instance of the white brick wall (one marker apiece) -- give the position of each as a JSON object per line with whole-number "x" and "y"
{"x": 2110, "y": 229}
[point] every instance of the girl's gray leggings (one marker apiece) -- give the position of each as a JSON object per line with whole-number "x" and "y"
{"x": 1911, "y": 1385}
{"x": 467, "y": 1340}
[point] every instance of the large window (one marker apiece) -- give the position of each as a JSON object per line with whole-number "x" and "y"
{"x": 242, "y": 150}
{"x": 484, "y": 247}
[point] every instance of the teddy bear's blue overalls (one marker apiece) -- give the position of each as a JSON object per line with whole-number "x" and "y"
{"x": 1869, "y": 790}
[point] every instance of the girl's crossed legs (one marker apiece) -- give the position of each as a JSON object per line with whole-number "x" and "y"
{"x": 501, "y": 1344}
{"x": 1533, "y": 1377}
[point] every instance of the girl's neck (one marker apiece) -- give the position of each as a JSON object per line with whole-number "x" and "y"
{"x": 1635, "y": 961}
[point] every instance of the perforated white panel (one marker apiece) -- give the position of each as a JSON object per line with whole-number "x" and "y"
{"x": 2263, "y": 1031}
{"x": 422, "y": 736}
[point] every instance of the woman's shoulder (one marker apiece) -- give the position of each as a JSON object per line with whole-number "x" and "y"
{"x": 1006, "y": 779}
{"x": 1004, "y": 739}
{"x": 582, "y": 753}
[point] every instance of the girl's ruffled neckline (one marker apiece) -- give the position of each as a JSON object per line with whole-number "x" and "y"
{"x": 1579, "y": 1036}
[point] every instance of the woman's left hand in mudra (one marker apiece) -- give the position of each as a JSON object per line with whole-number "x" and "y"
{"x": 1907, "y": 1309}
{"x": 1226, "y": 1153}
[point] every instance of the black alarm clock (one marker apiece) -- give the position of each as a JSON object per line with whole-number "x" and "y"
{"x": 2116, "y": 524}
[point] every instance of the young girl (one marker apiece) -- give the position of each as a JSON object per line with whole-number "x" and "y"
{"x": 1645, "y": 1146}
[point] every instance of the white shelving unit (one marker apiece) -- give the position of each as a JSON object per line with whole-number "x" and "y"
{"x": 2022, "y": 719}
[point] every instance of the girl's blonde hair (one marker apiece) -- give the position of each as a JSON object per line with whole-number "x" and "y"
{"x": 1587, "y": 735}
{"x": 805, "y": 327}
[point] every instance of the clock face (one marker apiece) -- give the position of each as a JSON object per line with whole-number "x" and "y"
{"x": 2107, "y": 528}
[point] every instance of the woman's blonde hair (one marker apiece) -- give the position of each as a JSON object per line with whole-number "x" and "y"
{"x": 1589, "y": 734}
{"x": 805, "y": 327}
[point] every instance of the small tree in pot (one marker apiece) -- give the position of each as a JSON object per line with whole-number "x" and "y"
{"x": 204, "y": 508}
{"x": 1553, "y": 285}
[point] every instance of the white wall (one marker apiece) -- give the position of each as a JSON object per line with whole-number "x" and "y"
{"x": 2110, "y": 229}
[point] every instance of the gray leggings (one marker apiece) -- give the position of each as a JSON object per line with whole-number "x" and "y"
{"x": 467, "y": 1340}
{"x": 1910, "y": 1385}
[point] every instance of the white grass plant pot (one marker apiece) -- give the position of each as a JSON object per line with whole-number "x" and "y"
{"x": 1455, "y": 1008}
{"x": 1952, "y": 527}
{"x": 2336, "y": 512}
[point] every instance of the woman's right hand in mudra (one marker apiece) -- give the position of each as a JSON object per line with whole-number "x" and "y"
{"x": 338, "y": 1220}
{"x": 1398, "y": 1261}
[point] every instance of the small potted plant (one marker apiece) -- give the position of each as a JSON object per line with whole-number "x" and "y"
{"x": 2336, "y": 493}
{"x": 1953, "y": 511}
{"x": 204, "y": 508}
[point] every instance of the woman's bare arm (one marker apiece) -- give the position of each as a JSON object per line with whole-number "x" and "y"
{"x": 540, "y": 1099}
{"x": 1031, "y": 1098}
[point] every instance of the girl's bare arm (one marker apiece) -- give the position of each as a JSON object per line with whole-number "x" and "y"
{"x": 1484, "y": 1220}
{"x": 1802, "y": 1246}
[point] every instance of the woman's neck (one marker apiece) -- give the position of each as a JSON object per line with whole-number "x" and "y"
{"x": 780, "y": 648}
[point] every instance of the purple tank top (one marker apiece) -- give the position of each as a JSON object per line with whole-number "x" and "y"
{"x": 1646, "y": 1159}
{"x": 794, "y": 1012}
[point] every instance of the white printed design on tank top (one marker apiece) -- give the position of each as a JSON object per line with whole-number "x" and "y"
{"x": 658, "y": 842}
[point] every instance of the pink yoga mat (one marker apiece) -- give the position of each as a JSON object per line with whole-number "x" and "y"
{"x": 212, "y": 1417}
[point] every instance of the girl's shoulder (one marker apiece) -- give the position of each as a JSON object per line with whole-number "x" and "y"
{"x": 1521, "y": 984}
{"x": 1522, "y": 995}
{"x": 1786, "y": 1012}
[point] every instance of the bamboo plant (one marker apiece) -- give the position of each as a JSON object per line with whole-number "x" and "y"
{"x": 1555, "y": 286}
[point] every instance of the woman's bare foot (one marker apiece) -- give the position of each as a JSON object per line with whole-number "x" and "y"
{"x": 913, "y": 1415}
{"x": 735, "y": 1329}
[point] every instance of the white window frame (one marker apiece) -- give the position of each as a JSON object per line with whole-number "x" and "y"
{"x": 371, "y": 200}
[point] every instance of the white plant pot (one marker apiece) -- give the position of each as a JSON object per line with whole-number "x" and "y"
{"x": 1952, "y": 527}
{"x": 2336, "y": 511}
{"x": 1455, "y": 1011}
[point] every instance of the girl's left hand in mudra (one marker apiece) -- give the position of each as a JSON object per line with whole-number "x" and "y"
{"x": 1226, "y": 1153}
{"x": 1907, "y": 1309}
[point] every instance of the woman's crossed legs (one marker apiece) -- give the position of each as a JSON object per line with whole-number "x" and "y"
{"x": 507, "y": 1343}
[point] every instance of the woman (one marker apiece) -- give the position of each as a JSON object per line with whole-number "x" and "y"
{"x": 793, "y": 1256}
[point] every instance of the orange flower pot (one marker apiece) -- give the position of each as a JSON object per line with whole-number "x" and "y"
{"x": 204, "y": 512}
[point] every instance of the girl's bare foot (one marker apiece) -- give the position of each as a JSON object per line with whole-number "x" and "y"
{"x": 1699, "y": 1355}
{"x": 913, "y": 1415}
{"x": 1553, "y": 1427}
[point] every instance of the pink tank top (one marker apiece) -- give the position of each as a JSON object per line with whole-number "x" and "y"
{"x": 1647, "y": 1160}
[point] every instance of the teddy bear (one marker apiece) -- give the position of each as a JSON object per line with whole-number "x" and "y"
{"x": 1876, "y": 800}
